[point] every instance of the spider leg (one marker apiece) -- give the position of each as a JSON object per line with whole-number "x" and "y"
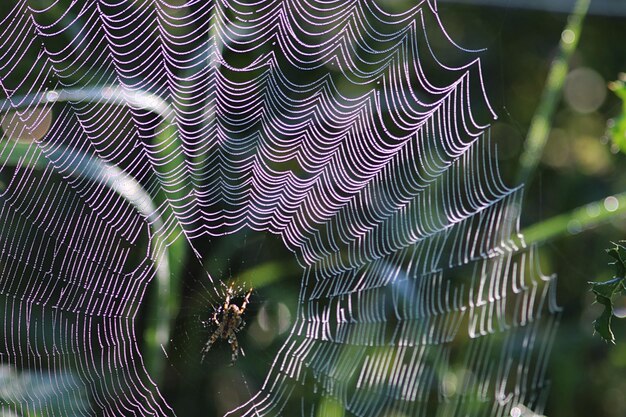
{"x": 245, "y": 301}
{"x": 240, "y": 326}
{"x": 208, "y": 345}
{"x": 229, "y": 293}
{"x": 235, "y": 346}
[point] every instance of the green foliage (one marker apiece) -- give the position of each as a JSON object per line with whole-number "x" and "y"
{"x": 617, "y": 125}
{"x": 606, "y": 290}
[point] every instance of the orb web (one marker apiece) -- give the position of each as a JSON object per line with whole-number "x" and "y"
{"x": 356, "y": 131}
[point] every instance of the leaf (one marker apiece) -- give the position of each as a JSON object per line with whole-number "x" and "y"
{"x": 602, "y": 324}
{"x": 605, "y": 290}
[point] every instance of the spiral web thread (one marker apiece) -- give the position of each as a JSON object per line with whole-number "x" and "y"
{"x": 333, "y": 124}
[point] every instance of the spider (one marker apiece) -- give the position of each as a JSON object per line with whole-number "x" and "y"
{"x": 229, "y": 321}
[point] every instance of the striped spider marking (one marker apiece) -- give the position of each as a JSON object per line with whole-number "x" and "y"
{"x": 229, "y": 321}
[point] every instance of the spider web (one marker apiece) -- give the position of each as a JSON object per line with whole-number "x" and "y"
{"x": 347, "y": 128}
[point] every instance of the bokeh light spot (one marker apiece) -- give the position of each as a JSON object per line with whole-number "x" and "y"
{"x": 611, "y": 203}
{"x": 28, "y": 125}
{"x": 568, "y": 36}
{"x": 585, "y": 90}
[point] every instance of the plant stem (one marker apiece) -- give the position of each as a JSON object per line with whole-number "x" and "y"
{"x": 542, "y": 120}
{"x": 580, "y": 219}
